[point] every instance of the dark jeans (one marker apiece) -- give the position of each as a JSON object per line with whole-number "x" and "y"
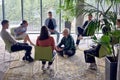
{"x": 22, "y": 46}
{"x": 80, "y": 32}
{"x": 66, "y": 52}
{"x": 90, "y": 54}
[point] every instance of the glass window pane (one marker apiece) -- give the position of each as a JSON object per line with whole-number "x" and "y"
{"x": 32, "y": 14}
{"x": 13, "y": 12}
{"x": 50, "y": 5}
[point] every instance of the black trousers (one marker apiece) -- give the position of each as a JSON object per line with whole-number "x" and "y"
{"x": 22, "y": 46}
{"x": 49, "y": 63}
{"x": 66, "y": 52}
{"x": 80, "y": 32}
{"x": 90, "y": 55}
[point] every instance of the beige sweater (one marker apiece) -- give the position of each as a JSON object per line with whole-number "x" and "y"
{"x": 7, "y": 37}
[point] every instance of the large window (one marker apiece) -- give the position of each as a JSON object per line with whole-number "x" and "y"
{"x": 50, "y": 5}
{"x": 13, "y": 12}
{"x": 32, "y": 14}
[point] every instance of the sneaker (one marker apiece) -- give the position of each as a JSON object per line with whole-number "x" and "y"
{"x": 65, "y": 56}
{"x": 24, "y": 58}
{"x": 30, "y": 59}
{"x": 43, "y": 67}
{"x": 93, "y": 66}
{"x": 80, "y": 37}
{"x": 77, "y": 47}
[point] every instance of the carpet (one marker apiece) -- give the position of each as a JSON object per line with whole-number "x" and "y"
{"x": 73, "y": 68}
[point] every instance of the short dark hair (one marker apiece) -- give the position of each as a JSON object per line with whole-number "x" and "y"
{"x": 49, "y": 12}
{"x": 4, "y": 22}
{"x": 23, "y": 22}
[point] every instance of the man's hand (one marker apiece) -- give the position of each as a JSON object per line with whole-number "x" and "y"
{"x": 58, "y": 49}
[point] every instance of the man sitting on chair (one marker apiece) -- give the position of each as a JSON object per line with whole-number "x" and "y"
{"x": 45, "y": 40}
{"x": 15, "y": 46}
{"x": 81, "y": 30}
{"x": 94, "y": 51}
{"x": 50, "y": 22}
{"x": 68, "y": 43}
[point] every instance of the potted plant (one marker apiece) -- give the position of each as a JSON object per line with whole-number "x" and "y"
{"x": 67, "y": 22}
{"x": 109, "y": 20}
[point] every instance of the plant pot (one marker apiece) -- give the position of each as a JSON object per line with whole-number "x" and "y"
{"x": 68, "y": 25}
{"x": 110, "y": 68}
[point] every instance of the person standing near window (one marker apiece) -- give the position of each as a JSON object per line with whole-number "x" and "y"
{"x": 50, "y": 22}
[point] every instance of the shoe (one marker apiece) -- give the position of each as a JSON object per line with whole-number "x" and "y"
{"x": 48, "y": 67}
{"x": 77, "y": 47}
{"x": 43, "y": 68}
{"x": 30, "y": 59}
{"x": 65, "y": 56}
{"x": 24, "y": 58}
{"x": 80, "y": 37}
{"x": 93, "y": 66}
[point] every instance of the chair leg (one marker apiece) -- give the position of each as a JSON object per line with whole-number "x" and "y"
{"x": 10, "y": 61}
{"x": 56, "y": 66}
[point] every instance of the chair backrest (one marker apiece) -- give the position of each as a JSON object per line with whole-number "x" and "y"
{"x": 7, "y": 45}
{"x": 104, "y": 51}
{"x": 12, "y": 31}
{"x": 43, "y": 53}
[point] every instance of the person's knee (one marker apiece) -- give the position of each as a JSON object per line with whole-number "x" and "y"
{"x": 29, "y": 48}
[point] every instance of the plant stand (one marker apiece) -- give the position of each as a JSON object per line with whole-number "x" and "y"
{"x": 118, "y": 67}
{"x": 110, "y": 68}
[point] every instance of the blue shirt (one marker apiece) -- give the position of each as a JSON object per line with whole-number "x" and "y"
{"x": 20, "y": 29}
{"x": 53, "y": 22}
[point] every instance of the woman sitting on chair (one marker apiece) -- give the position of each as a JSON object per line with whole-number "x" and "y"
{"x": 45, "y": 40}
{"x": 20, "y": 32}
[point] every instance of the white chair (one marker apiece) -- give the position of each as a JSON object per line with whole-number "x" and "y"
{"x": 8, "y": 49}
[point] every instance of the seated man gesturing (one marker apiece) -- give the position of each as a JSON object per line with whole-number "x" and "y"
{"x": 15, "y": 46}
{"x": 68, "y": 43}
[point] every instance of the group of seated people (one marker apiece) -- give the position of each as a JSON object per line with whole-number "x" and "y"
{"x": 65, "y": 48}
